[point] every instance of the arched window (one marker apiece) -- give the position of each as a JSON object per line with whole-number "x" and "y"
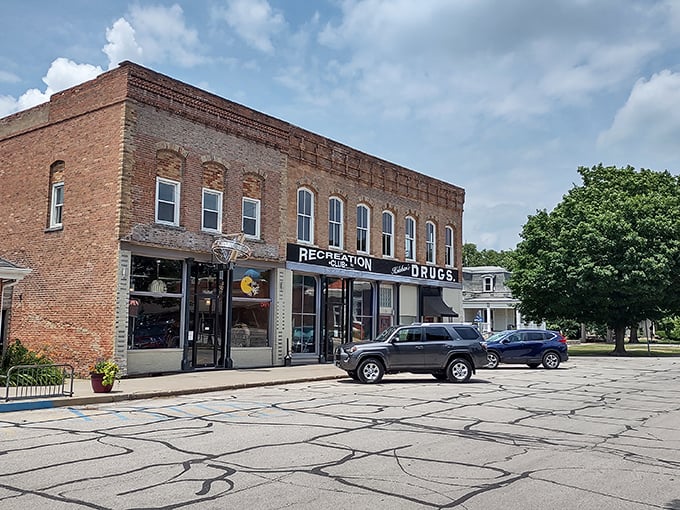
{"x": 305, "y": 216}
{"x": 335, "y": 223}
{"x": 363, "y": 228}
{"x": 410, "y": 237}
{"x": 430, "y": 243}
{"x": 448, "y": 248}
{"x": 387, "y": 234}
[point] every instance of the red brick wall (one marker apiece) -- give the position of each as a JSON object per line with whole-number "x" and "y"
{"x": 113, "y": 149}
{"x": 65, "y": 306}
{"x": 360, "y": 178}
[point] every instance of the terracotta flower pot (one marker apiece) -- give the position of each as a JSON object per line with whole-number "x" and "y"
{"x": 97, "y": 385}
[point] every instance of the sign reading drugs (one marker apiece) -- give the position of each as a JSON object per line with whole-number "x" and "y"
{"x": 337, "y": 261}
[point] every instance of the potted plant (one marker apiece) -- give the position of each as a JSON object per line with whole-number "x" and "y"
{"x": 103, "y": 374}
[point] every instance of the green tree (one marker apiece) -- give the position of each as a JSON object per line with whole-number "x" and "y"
{"x": 473, "y": 257}
{"x": 608, "y": 253}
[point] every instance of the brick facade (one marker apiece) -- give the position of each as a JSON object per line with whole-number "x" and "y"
{"x": 109, "y": 140}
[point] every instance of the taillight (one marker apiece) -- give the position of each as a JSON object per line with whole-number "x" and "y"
{"x": 562, "y": 339}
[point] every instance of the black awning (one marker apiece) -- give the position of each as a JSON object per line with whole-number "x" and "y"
{"x": 434, "y": 306}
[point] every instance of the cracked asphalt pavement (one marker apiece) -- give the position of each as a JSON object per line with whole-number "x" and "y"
{"x": 597, "y": 433}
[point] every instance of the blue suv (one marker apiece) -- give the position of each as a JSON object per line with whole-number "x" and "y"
{"x": 528, "y": 346}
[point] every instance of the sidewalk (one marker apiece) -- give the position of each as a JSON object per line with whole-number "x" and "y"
{"x": 183, "y": 383}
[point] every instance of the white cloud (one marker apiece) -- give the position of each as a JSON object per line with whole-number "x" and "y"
{"x": 7, "y": 77}
{"x": 512, "y": 60}
{"x": 648, "y": 125}
{"x": 122, "y": 44}
{"x": 62, "y": 74}
{"x": 151, "y": 35}
{"x": 254, "y": 21}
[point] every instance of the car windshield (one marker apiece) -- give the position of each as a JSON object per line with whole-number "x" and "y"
{"x": 386, "y": 334}
{"x": 496, "y": 336}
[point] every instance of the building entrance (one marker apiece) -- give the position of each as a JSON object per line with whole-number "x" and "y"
{"x": 206, "y": 318}
{"x": 335, "y": 316}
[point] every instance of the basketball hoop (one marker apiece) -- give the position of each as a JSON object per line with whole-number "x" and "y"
{"x": 230, "y": 247}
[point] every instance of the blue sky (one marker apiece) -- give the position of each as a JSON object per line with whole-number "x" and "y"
{"x": 505, "y": 99}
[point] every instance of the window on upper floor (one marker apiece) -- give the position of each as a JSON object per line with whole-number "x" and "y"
{"x": 363, "y": 228}
{"x": 305, "y": 216}
{"x": 212, "y": 210}
{"x": 387, "y": 234}
{"x": 430, "y": 243}
{"x": 57, "y": 205}
{"x": 167, "y": 202}
{"x": 410, "y": 237}
{"x": 335, "y": 223}
{"x": 449, "y": 259}
{"x": 250, "y": 217}
{"x": 487, "y": 284}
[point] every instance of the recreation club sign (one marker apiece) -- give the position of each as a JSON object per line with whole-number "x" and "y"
{"x": 338, "y": 262}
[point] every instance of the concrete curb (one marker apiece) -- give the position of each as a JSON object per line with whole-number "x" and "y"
{"x": 103, "y": 398}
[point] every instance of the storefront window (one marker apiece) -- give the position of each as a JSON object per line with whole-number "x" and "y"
{"x": 161, "y": 276}
{"x": 304, "y": 314}
{"x": 154, "y": 313}
{"x": 362, "y": 308}
{"x": 251, "y": 305}
{"x": 387, "y": 309}
{"x": 154, "y": 323}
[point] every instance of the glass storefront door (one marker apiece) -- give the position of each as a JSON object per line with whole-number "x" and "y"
{"x": 304, "y": 316}
{"x": 362, "y": 310}
{"x": 335, "y": 292}
{"x": 205, "y": 316}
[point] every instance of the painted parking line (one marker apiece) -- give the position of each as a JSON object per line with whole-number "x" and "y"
{"x": 80, "y": 414}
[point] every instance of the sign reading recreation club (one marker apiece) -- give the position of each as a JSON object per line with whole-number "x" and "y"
{"x": 339, "y": 262}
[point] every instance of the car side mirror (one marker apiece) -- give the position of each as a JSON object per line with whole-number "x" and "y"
{"x": 505, "y": 341}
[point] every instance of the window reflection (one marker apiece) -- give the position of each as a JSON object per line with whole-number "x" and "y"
{"x": 154, "y": 323}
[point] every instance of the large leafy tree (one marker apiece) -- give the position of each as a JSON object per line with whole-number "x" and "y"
{"x": 608, "y": 253}
{"x": 486, "y": 257}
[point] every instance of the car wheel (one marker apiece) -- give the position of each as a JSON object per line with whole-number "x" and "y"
{"x": 352, "y": 374}
{"x": 459, "y": 370}
{"x": 440, "y": 376}
{"x": 551, "y": 360}
{"x": 493, "y": 359}
{"x": 533, "y": 365}
{"x": 370, "y": 371}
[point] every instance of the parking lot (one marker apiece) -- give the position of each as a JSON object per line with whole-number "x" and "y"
{"x": 595, "y": 433}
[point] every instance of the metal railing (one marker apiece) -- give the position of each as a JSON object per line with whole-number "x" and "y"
{"x": 35, "y": 381}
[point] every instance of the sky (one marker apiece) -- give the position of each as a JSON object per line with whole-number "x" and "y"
{"x": 506, "y": 99}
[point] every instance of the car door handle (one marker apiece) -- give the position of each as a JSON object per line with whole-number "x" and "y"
{"x": 419, "y": 347}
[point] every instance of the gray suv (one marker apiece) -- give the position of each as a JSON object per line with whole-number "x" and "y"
{"x": 448, "y": 351}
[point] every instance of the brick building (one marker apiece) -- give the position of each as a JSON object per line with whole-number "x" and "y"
{"x": 113, "y": 193}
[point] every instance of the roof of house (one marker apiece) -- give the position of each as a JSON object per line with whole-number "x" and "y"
{"x": 485, "y": 269}
{"x": 9, "y": 271}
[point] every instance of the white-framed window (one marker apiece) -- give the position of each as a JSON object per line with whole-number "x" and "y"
{"x": 430, "y": 243}
{"x": 448, "y": 247}
{"x": 211, "y": 220}
{"x": 363, "y": 228}
{"x": 410, "y": 238}
{"x": 387, "y": 234}
{"x": 250, "y": 217}
{"x": 57, "y": 205}
{"x": 335, "y": 223}
{"x": 488, "y": 283}
{"x": 167, "y": 202}
{"x": 305, "y": 216}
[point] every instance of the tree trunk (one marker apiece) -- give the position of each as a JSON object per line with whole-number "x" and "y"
{"x": 619, "y": 334}
{"x": 633, "y": 339}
